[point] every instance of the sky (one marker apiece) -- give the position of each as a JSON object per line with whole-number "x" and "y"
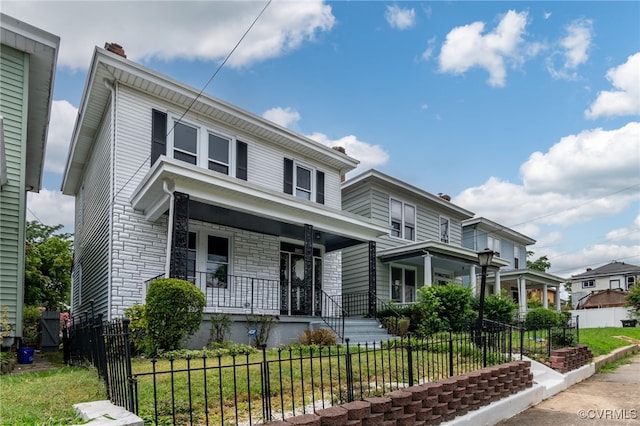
{"x": 526, "y": 113}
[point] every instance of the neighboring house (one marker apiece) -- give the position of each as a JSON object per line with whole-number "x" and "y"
{"x": 612, "y": 276}
{"x": 171, "y": 182}
{"x": 422, "y": 248}
{"x": 28, "y": 58}
{"x": 520, "y": 282}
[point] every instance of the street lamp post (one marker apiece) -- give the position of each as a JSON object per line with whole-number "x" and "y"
{"x": 484, "y": 260}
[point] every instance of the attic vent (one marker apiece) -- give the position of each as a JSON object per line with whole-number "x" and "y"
{"x": 115, "y": 48}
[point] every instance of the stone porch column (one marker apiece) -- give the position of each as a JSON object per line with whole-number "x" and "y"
{"x": 496, "y": 285}
{"x": 545, "y": 299}
{"x": 558, "y": 307}
{"x": 522, "y": 295}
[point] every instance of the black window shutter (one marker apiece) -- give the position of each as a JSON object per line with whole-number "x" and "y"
{"x": 320, "y": 187}
{"x": 288, "y": 176}
{"x": 241, "y": 160}
{"x": 158, "y": 135}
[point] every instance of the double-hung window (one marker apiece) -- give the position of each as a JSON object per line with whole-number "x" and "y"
{"x": 196, "y": 144}
{"x": 185, "y": 143}
{"x": 219, "y": 153}
{"x": 303, "y": 181}
{"x": 493, "y": 244}
{"x": 588, "y": 284}
{"x": 444, "y": 229}
{"x": 403, "y": 220}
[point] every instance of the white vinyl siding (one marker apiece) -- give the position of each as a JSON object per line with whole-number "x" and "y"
{"x": 14, "y": 71}
{"x": 91, "y": 246}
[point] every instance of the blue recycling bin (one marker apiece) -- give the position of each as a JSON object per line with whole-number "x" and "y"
{"x": 25, "y": 355}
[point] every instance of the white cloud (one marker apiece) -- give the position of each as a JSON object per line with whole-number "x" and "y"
{"x": 466, "y": 47}
{"x": 595, "y": 256}
{"x": 369, "y": 155}
{"x": 593, "y": 162}
{"x": 282, "y": 116}
{"x": 631, "y": 233}
{"x": 205, "y": 30}
{"x": 429, "y": 50}
{"x": 63, "y": 118}
{"x": 573, "y": 48}
{"x": 547, "y": 15}
{"x": 51, "y": 208}
{"x": 625, "y": 99}
{"x": 581, "y": 177}
{"x": 400, "y": 19}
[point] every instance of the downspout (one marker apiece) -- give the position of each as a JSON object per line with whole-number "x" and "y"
{"x": 169, "y": 191}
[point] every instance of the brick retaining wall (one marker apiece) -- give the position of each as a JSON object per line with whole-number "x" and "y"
{"x": 567, "y": 359}
{"x": 429, "y": 403}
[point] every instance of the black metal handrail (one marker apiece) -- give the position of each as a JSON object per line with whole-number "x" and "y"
{"x": 236, "y": 291}
{"x": 332, "y": 314}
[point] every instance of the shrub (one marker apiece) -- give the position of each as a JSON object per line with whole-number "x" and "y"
{"x": 425, "y": 313}
{"x": 496, "y": 308}
{"x": 455, "y": 305}
{"x": 563, "y": 338}
{"x": 543, "y": 318}
{"x": 31, "y": 316}
{"x": 395, "y": 325}
{"x": 137, "y": 328}
{"x": 220, "y": 326}
{"x": 5, "y": 326}
{"x": 174, "y": 311}
{"x": 319, "y": 337}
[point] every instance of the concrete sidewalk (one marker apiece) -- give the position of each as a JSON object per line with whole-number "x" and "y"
{"x": 602, "y": 399}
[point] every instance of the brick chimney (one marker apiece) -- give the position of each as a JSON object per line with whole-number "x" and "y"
{"x": 445, "y": 197}
{"x": 115, "y": 48}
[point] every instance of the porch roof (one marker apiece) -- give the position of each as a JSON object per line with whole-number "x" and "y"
{"x": 441, "y": 249}
{"x": 533, "y": 278}
{"x": 218, "y": 198}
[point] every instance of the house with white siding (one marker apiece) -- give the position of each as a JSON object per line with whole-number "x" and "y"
{"x": 169, "y": 181}
{"x": 613, "y": 276}
{"x": 423, "y": 247}
{"x": 28, "y": 57}
{"x": 515, "y": 278}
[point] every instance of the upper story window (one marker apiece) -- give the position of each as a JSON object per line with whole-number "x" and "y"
{"x": 444, "y": 229}
{"x": 219, "y": 153}
{"x": 403, "y": 220}
{"x": 195, "y": 144}
{"x": 516, "y": 257}
{"x": 588, "y": 284}
{"x": 185, "y": 143}
{"x": 303, "y": 181}
{"x": 493, "y": 243}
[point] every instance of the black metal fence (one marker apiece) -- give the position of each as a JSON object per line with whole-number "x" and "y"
{"x": 252, "y": 388}
{"x": 105, "y": 345}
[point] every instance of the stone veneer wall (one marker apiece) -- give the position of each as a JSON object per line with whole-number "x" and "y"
{"x": 429, "y": 403}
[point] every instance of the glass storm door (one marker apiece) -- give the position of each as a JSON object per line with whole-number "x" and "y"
{"x": 296, "y": 298}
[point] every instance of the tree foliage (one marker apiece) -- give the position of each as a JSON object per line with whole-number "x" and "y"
{"x": 173, "y": 311}
{"x": 632, "y": 300}
{"x": 542, "y": 264}
{"x": 496, "y": 308}
{"x": 48, "y": 260}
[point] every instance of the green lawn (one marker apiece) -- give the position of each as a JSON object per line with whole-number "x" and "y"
{"x": 47, "y": 397}
{"x": 603, "y": 340}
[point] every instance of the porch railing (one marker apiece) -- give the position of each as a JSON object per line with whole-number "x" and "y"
{"x": 366, "y": 304}
{"x": 237, "y": 292}
{"x": 333, "y": 313}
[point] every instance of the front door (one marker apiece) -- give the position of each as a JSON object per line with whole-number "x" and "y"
{"x": 296, "y": 297}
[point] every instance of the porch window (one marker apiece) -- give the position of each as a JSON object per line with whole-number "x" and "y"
{"x": 444, "y": 229}
{"x": 403, "y": 220}
{"x": 403, "y": 284}
{"x": 217, "y": 261}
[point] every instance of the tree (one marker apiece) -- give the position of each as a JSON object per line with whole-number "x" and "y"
{"x": 633, "y": 300}
{"x": 48, "y": 260}
{"x": 542, "y": 264}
